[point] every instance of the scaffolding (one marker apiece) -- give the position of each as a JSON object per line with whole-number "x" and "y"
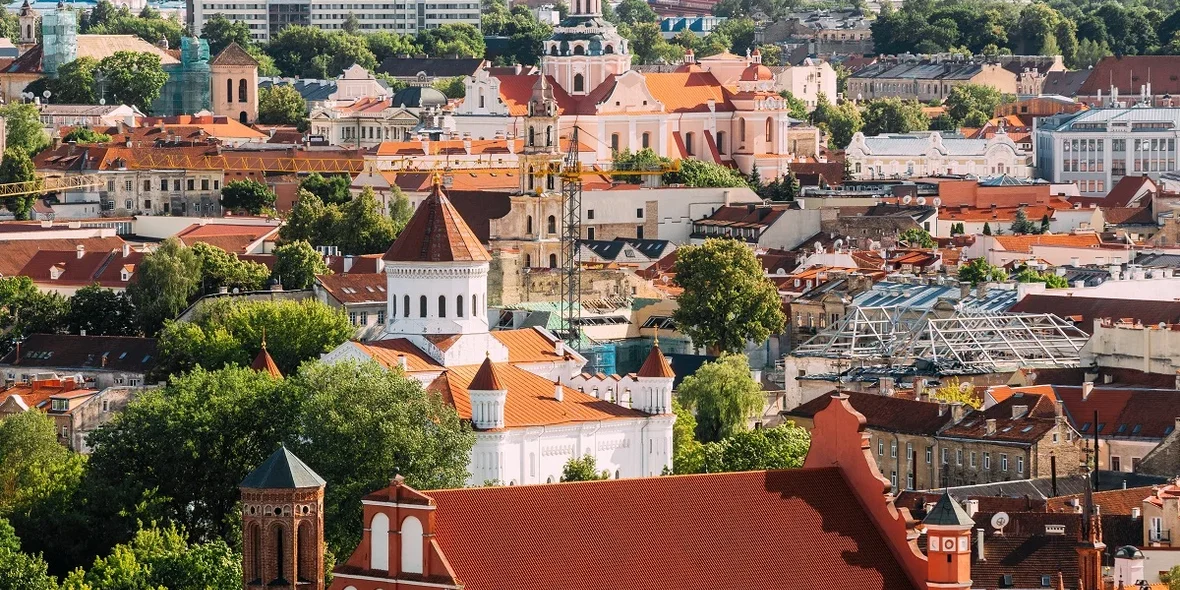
{"x": 977, "y": 340}
{"x": 188, "y": 88}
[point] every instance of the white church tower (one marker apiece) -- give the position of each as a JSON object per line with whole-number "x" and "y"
{"x": 584, "y": 50}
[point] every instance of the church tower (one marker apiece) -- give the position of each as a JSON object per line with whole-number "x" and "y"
{"x": 584, "y": 50}
{"x": 542, "y": 149}
{"x": 282, "y": 525}
{"x": 948, "y": 545}
{"x": 28, "y": 25}
{"x": 654, "y": 381}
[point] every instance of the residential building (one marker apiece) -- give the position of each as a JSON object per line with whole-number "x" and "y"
{"x": 56, "y": 116}
{"x": 807, "y": 80}
{"x": 623, "y": 252}
{"x": 102, "y": 361}
{"x": 361, "y": 295}
{"x": 66, "y": 271}
{"x": 1136, "y": 78}
{"x": 268, "y": 18}
{"x": 929, "y": 153}
{"x": 933, "y": 78}
{"x": 78, "y": 412}
{"x": 365, "y": 123}
{"x": 698, "y": 25}
{"x": 782, "y": 226}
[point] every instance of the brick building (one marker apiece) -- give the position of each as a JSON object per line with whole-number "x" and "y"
{"x": 282, "y": 525}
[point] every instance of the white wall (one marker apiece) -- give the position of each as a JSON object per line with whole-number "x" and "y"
{"x": 677, "y": 207}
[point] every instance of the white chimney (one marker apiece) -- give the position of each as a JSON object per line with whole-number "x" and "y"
{"x": 558, "y": 391}
{"x": 979, "y": 543}
{"x": 559, "y": 348}
{"x": 1136, "y": 512}
{"x": 81, "y": 251}
{"x": 402, "y": 363}
{"x": 1087, "y": 389}
{"x": 126, "y": 249}
{"x": 972, "y": 507}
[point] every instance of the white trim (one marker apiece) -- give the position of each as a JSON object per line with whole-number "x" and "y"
{"x": 398, "y": 580}
{"x": 397, "y": 505}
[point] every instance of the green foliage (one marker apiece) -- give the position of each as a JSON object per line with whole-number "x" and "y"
{"x": 297, "y": 265}
{"x": 726, "y": 300}
{"x": 164, "y": 282}
{"x": 102, "y": 312}
{"x": 9, "y": 25}
{"x": 229, "y": 332}
{"x": 916, "y": 237}
{"x": 840, "y": 123}
{"x": 310, "y": 52}
{"x": 979, "y": 270}
{"x": 451, "y": 87}
{"x": 247, "y": 195}
{"x": 219, "y": 32}
{"x": 781, "y": 447}
{"x": 224, "y": 269}
{"x": 281, "y": 104}
{"x": 723, "y": 395}
{"x": 1171, "y": 578}
{"x": 76, "y": 84}
{"x": 687, "y": 452}
{"x": 26, "y": 310}
{"x": 633, "y": 12}
{"x": 400, "y": 210}
{"x": 780, "y": 189}
{"x": 22, "y": 122}
{"x": 893, "y": 115}
{"x": 151, "y": 30}
{"x": 24, "y": 572}
{"x": 17, "y": 166}
{"x": 583, "y": 469}
{"x": 797, "y": 107}
{"x": 648, "y": 45}
{"x": 358, "y": 227}
{"x": 700, "y": 173}
{"x": 385, "y": 45}
{"x": 133, "y": 78}
{"x": 524, "y": 32}
{"x": 459, "y": 39}
{"x": 973, "y": 104}
{"x": 331, "y": 189}
{"x": 952, "y": 391}
{"x": 1031, "y": 275}
{"x": 85, "y": 135}
{"x": 987, "y": 229}
{"x": 1022, "y": 225}
{"x": 8, "y": 539}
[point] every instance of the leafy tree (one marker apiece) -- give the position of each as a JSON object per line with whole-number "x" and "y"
{"x": 133, "y": 78}
{"x": 26, "y": 310}
{"x": 224, "y": 269}
{"x": 103, "y": 13}
{"x": 916, "y": 237}
{"x": 687, "y": 452}
{"x": 345, "y": 50}
{"x": 163, "y": 283}
{"x": 797, "y": 107}
{"x": 352, "y": 24}
{"x": 364, "y": 227}
{"x": 723, "y": 395}
{"x": 987, "y": 229}
{"x": 220, "y": 32}
{"x": 648, "y": 45}
{"x": 460, "y": 39}
{"x": 85, "y": 135}
{"x": 780, "y": 189}
{"x": 843, "y": 121}
{"x": 360, "y": 425}
{"x": 700, "y": 173}
{"x": 18, "y": 167}
{"x": 1031, "y": 275}
{"x": 24, "y": 131}
{"x": 781, "y": 447}
{"x": 247, "y": 195}
{"x": 952, "y": 391}
{"x": 294, "y": 47}
{"x": 385, "y": 45}
{"x": 8, "y": 539}
{"x": 102, "y": 312}
{"x": 298, "y": 264}
{"x": 331, "y": 189}
{"x": 75, "y": 82}
{"x": 739, "y": 32}
{"x": 583, "y": 468}
{"x": 1021, "y": 223}
{"x": 226, "y": 331}
{"x": 281, "y": 104}
{"x": 979, "y": 270}
{"x": 24, "y": 572}
{"x": 972, "y": 100}
{"x": 1171, "y": 578}
{"x": 400, "y": 210}
{"x": 451, "y": 87}
{"x": 151, "y": 30}
{"x": 633, "y": 12}
{"x": 304, "y": 218}
{"x": 726, "y": 300}
{"x": 893, "y": 115}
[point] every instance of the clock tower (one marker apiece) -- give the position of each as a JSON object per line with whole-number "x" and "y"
{"x": 948, "y": 545}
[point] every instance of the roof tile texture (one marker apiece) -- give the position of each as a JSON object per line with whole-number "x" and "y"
{"x": 437, "y": 233}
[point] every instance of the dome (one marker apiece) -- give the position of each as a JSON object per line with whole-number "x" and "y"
{"x": 1128, "y": 552}
{"x": 757, "y": 73}
{"x": 419, "y": 97}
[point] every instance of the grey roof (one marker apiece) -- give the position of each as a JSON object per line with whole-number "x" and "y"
{"x": 1156, "y": 260}
{"x": 418, "y": 97}
{"x": 610, "y": 249}
{"x": 282, "y": 470}
{"x": 433, "y": 67}
{"x": 1065, "y": 83}
{"x": 947, "y": 512}
{"x": 1042, "y": 488}
{"x": 1099, "y": 118}
{"x": 899, "y": 144}
{"x": 920, "y": 296}
{"x": 921, "y": 71}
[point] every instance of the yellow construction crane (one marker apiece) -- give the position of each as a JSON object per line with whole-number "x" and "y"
{"x": 50, "y": 184}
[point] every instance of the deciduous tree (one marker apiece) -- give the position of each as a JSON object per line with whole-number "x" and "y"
{"x": 893, "y": 115}
{"x": 781, "y": 447}
{"x": 24, "y": 132}
{"x": 163, "y": 284}
{"x": 247, "y": 195}
{"x": 224, "y": 269}
{"x": 281, "y": 104}
{"x": 979, "y": 270}
{"x": 723, "y": 396}
{"x": 298, "y": 264}
{"x": 102, "y": 312}
{"x": 133, "y": 78}
{"x": 916, "y": 237}
{"x": 18, "y": 167}
{"x": 220, "y": 32}
{"x": 584, "y": 468}
{"x": 331, "y": 189}
{"x": 85, "y": 135}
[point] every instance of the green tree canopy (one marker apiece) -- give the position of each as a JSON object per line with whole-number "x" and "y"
{"x": 781, "y": 447}
{"x": 164, "y": 282}
{"x": 723, "y": 396}
{"x": 247, "y": 195}
{"x": 281, "y": 104}
{"x": 85, "y": 135}
{"x": 979, "y": 270}
{"x": 1022, "y": 225}
{"x": 220, "y": 32}
{"x": 1051, "y": 280}
{"x": 76, "y": 84}
{"x": 893, "y": 115}
{"x": 298, "y": 264}
{"x": 584, "y": 468}
{"x": 842, "y": 122}
{"x": 224, "y": 269}
{"x": 797, "y": 107}
{"x": 460, "y": 39}
{"x": 102, "y": 312}
{"x": 18, "y": 167}
{"x": 331, "y": 189}
{"x": 23, "y": 130}
{"x": 972, "y": 103}
{"x": 133, "y": 78}
{"x": 916, "y": 237}
{"x": 633, "y": 12}
{"x": 726, "y": 300}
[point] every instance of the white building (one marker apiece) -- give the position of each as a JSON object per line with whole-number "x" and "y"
{"x": 929, "y": 153}
{"x": 807, "y": 80}
{"x": 267, "y": 18}
{"x": 520, "y": 389}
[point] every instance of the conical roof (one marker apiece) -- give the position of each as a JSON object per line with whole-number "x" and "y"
{"x": 234, "y": 55}
{"x": 264, "y": 363}
{"x": 437, "y": 233}
{"x": 656, "y": 365}
{"x": 947, "y": 512}
{"x": 486, "y": 378}
{"x": 282, "y": 470}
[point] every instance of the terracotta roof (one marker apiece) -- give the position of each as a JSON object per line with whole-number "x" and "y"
{"x": 37, "y": 392}
{"x": 1034, "y": 213}
{"x": 229, "y": 237}
{"x": 743, "y": 216}
{"x": 1026, "y": 553}
{"x": 486, "y": 378}
{"x": 1129, "y": 215}
{"x": 68, "y": 351}
{"x": 234, "y": 55}
{"x": 1024, "y": 243}
{"x": 1129, "y": 72}
{"x": 527, "y": 345}
{"x": 507, "y": 180}
{"x": 608, "y": 529}
{"x": 362, "y": 264}
{"x": 104, "y": 268}
{"x": 883, "y": 412}
{"x": 1028, "y": 427}
{"x": 388, "y": 352}
{"x": 354, "y": 287}
{"x": 656, "y": 365}
{"x": 530, "y": 398}
{"x": 437, "y": 233}
{"x": 1123, "y": 412}
{"x": 1111, "y": 501}
{"x": 688, "y": 92}
{"x": 15, "y": 254}
{"x": 1088, "y": 309}
{"x": 264, "y": 363}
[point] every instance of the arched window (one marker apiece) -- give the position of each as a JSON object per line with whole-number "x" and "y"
{"x": 280, "y": 554}
{"x": 742, "y": 130}
{"x": 769, "y": 131}
{"x": 229, "y": 90}
{"x": 532, "y": 136}
{"x": 549, "y": 479}
{"x": 528, "y": 260}
{"x": 579, "y": 50}
{"x": 688, "y": 137}
{"x": 306, "y": 545}
{"x": 646, "y": 138}
{"x": 553, "y": 49}
{"x": 608, "y": 49}
{"x": 393, "y": 306}
{"x": 579, "y": 82}
{"x": 459, "y": 305}
{"x": 548, "y": 135}
{"x": 614, "y": 142}
{"x": 552, "y": 261}
{"x": 406, "y": 306}
{"x": 442, "y": 306}
{"x": 422, "y": 306}
{"x": 256, "y": 552}
{"x": 379, "y": 542}
{"x": 28, "y": 31}
{"x": 551, "y": 225}
{"x": 411, "y": 545}
{"x": 242, "y": 90}
{"x": 481, "y": 98}
{"x": 721, "y": 142}
{"x": 474, "y": 307}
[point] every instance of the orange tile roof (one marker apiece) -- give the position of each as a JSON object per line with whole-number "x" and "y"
{"x": 15, "y": 254}
{"x": 437, "y": 233}
{"x": 265, "y": 364}
{"x": 1024, "y": 243}
{"x": 656, "y": 365}
{"x": 387, "y": 352}
{"x": 486, "y": 379}
{"x": 530, "y": 398}
{"x": 527, "y": 345}
{"x": 229, "y": 237}
{"x": 688, "y": 92}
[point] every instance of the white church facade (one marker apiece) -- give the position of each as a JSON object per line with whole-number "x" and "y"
{"x": 523, "y": 391}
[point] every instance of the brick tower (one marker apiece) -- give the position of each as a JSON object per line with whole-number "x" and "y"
{"x": 948, "y": 545}
{"x": 282, "y": 525}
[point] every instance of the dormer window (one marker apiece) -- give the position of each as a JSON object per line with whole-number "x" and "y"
{"x": 59, "y": 405}
{"x": 56, "y": 271}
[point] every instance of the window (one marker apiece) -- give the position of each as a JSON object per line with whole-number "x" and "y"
{"x": 474, "y": 307}
{"x": 973, "y": 464}
{"x": 589, "y": 214}
{"x": 442, "y": 306}
{"x": 1116, "y": 463}
{"x": 721, "y": 142}
{"x": 176, "y": 184}
{"x": 579, "y": 82}
{"x": 381, "y": 318}
{"x": 127, "y": 185}
{"x": 411, "y": 537}
{"x": 163, "y": 184}
{"x": 106, "y": 405}
{"x": 1046, "y": 581}
{"x": 352, "y": 317}
{"x": 1003, "y": 461}
{"x": 646, "y": 139}
{"x": 880, "y": 447}
{"x": 459, "y": 305}
{"x": 742, "y": 130}
{"x": 242, "y": 90}
{"x": 614, "y": 142}
{"x": 639, "y": 232}
{"x": 893, "y": 479}
{"x": 147, "y": 185}
{"x": 688, "y": 147}
{"x": 958, "y": 456}
{"x": 60, "y": 405}
{"x": 1020, "y": 465}
{"x": 229, "y": 90}
{"x": 929, "y": 454}
{"x": 589, "y": 233}
{"x": 893, "y": 449}
{"x": 987, "y": 461}
{"x": 192, "y": 184}
{"x": 364, "y": 318}
{"x": 204, "y": 184}
{"x": 551, "y": 225}
{"x": 769, "y": 131}
{"x": 379, "y": 542}
{"x": 639, "y": 213}
{"x": 945, "y": 455}
{"x": 406, "y": 306}
{"x": 422, "y": 306}
{"x": 552, "y": 261}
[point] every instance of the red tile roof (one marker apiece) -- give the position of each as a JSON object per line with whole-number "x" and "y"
{"x": 656, "y": 365}
{"x": 605, "y": 534}
{"x": 265, "y": 364}
{"x": 15, "y": 254}
{"x": 883, "y": 412}
{"x": 1123, "y": 412}
{"x": 1111, "y": 502}
{"x": 689, "y": 92}
{"x": 437, "y": 233}
{"x": 1027, "y": 428}
{"x": 528, "y": 345}
{"x": 354, "y": 287}
{"x": 1024, "y": 243}
{"x": 388, "y": 353}
{"x": 1129, "y": 72}
{"x": 1088, "y": 309}
{"x": 236, "y": 238}
{"x": 104, "y": 268}
{"x": 486, "y": 378}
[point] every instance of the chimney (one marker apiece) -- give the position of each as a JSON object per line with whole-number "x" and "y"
{"x": 402, "y": 363}
{"x": 942, "y": 411}
{"x": 1075, "y": 261}
{"x": 979, "y": 543}
{"x": 81, "y": 250}
{"x": 727, "y": 197}
{"x": 958, "y": 411}
{"x": 559, "y": 348}
{"x": 126, "y": 249}
{"x": 1019, "y": 411}
{"x": 972, "y": 507}
{"x": 1059, "y": 408}
{"x": 981, "y": 290}
{"x": 964, "y": 290}
{"x": 991, "y": 425}
{"x": 885, "y": 385}
{"x": 1087, "y": 388}
{"x": 558, "y": 391}
{"x": 920, "y": 387}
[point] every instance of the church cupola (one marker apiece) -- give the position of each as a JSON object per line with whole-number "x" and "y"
{"x": 948, "y": 545}
{"x": 584, "y": 50}
{"x": 655, "y": 380}
{"x": 282, "y": 525}
{"x": 488, "y": 397}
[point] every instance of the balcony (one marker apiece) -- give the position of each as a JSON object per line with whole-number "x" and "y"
{"x": 1161, "y": 536}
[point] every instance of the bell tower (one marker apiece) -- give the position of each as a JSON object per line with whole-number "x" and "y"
{"x": 948, "y": 545}
{"x": 542, "y": 149}
{"x": 282, "y": 525}
{"x": 28, "y": 24}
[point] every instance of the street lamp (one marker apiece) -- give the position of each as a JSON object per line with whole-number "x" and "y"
{"x": 47, "y": 94}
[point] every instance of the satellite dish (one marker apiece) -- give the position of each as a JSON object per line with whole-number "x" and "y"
{"x": 1000, "y": 520}
{"x": 819, "y": 247}
{"x": 937, "y": 202}
{"x": 837, "y": 244}
{"x": 921, "y": 200}
{"x": 906, "y": 200}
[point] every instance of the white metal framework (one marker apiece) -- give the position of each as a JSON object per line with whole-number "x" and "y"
{"x": 897, "y": 335}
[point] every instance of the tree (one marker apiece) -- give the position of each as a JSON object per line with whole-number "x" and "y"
{"x": 893, "y": 115}
{"x": 987, "y": 229}
{"x": 24, "y": 572}
{"x": 85, "y": 135}
{"x": 1172, "y": 578}
{"x": 26, "y": 310}
{"x": 916, "y": 237}
{"x": 400, "y": 210}
{"x": 385, "y": 45}
{"x": 972, "y": 100}
{"x": 24, "y": 131}
{"x": 980, "y": 271}
{"x": 843, "y": 121}
{"x": 224, "y": 269}
{"x": 297, "y": 265}
{"x": 952, "y": 391}
{"x": 163, "y": 283}
{"x": 18, "y": 167}
{"x": 102, "y": 312}
{"x": 583, "y": 468}
{"x": 723, "y": 395}
{"x": 451, "y": 87}
{"x": 75, "y": 83}
{"x": 346, "y": 49}
{"x": 1031, "y": 275}
{"x": 648, "y": 45}
{"x": 699, "y": 173}
{"x": 281, "y": 104}
{"x": 303, "y": 219}
{"x": 1044, "y": 224}
{"x": 1021, "y": 224}
{"x": 220, "y": 32}
{"x": 781, "y": 447}
{"x": 797, "y": 107}
{"x": 726, "y": 300}
{"x": 352, "y": 24}
{"x": 247, "y": 195}
{"x": 133, "y": 78}
{"x": 633, "y": 12}
{"x": 365, "y": 228}
{"x": 294, "y": 47}
{"x": 460, "y": 39}
{"x": 687, "y": 451}
{"x": 361, "y": 424}
{"x": 103, "y": 13}
{"x": 331, "y": 189}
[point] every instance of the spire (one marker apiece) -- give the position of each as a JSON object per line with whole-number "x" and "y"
{"x": 437, "y": 233}
{"x": 282, "y": 470}
{"x": 486, "y": 378}
{"x": 947, "y": 512}
{"x": 263, "y": 362}
{"x": 656, "y": 364}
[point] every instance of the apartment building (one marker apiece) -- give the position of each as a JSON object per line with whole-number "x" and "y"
{"x": 267, "y": 18}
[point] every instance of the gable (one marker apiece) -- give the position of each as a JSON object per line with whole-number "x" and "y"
{"x": 629, "y": 94}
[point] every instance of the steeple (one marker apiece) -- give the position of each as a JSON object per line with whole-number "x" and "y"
{"x": 488, "y": 397}
{"x": 283, "y": 525}
{"x": 655, "y": 379}
{"x": 584, "y": 50}
{"x": 948, "y": 545}
{"x": 263, "y": 362}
